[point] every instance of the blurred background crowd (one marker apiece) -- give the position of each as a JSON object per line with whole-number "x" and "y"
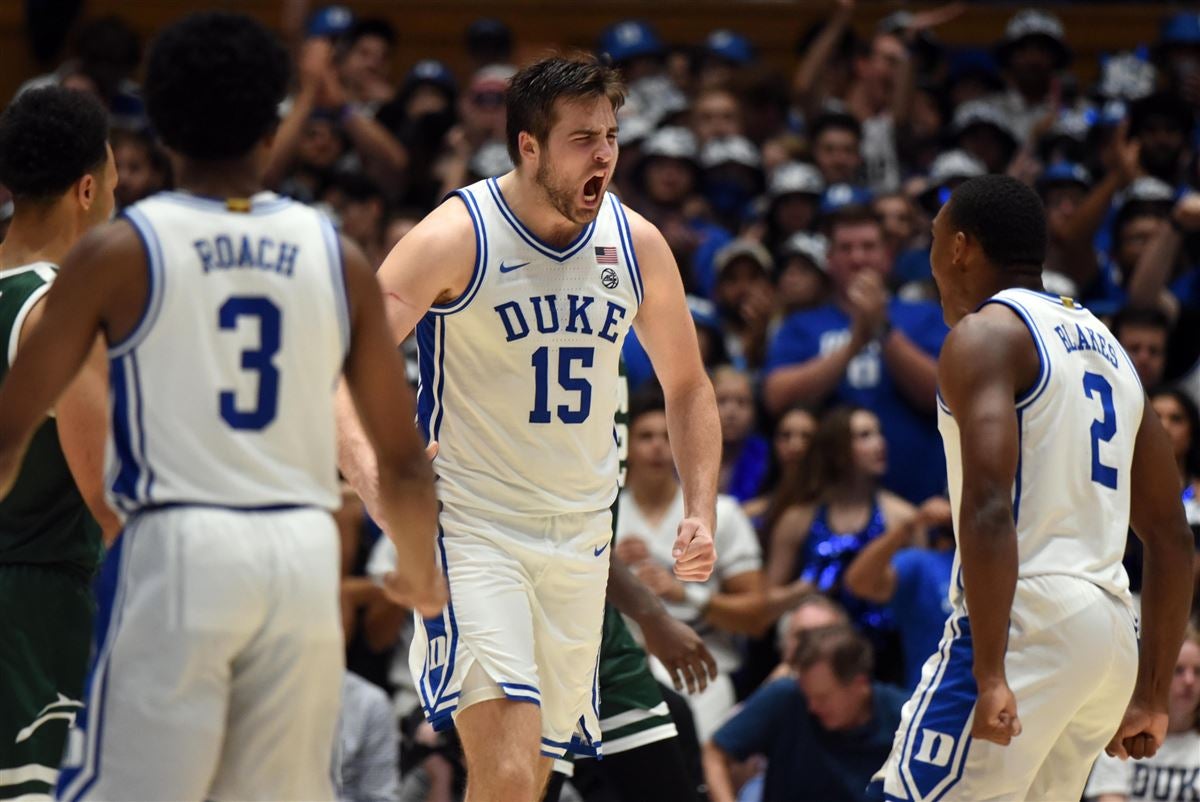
{"x": 797, "y": 204}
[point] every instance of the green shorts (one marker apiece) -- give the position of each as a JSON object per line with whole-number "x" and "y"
{"x": 45, "y": 638}
{"x": 632, "y": 710}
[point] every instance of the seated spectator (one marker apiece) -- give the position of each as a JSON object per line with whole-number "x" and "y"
{"x": 834, "y": 510}
{"x": 368, "y": 744}
{"x": 793, "y": 435}
{"x": 745, "y": 300}
{"x": 1173, "y": 773}
{"x": 824, "y": 732}
{"x": 745, "y": 454}
{"x": 732, "y": 601}
{"x": 142, "y": 166}
{"x": 867, "y": 349}
{"x": 1143, "y": 333}
{"x": 913, "y": 582}
{"x": 794, "y": 196}
{"x": 813, "y": 612}
{"x": 716, "y": 113}
{"x": 983, "y": 132}
{"x": 801, "y": 275}
{"x": 1182, "y": 421}
{"x": 732, "y": 178}
{"x": 896, "y": 214}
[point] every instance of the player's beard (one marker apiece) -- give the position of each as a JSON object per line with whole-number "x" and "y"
{"x": 561, "y": 195}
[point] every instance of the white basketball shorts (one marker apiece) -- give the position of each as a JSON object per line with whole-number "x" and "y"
{"x": 524, "y": 621}
{"x": 219, "y": 664}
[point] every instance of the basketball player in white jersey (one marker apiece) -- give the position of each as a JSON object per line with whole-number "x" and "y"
{"x": 229, "y": 314}
{"x": 1052, "y": 453}
{"x": 521, "y": 290}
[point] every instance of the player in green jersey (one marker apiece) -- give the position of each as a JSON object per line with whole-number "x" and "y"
{"x": 56, "y": 162}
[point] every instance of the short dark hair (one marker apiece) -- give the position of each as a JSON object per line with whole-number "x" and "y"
{"x": 853, "y": 215}
{"x": 372, "y": 26}
{"x": 848, "y": 653}
{"x": 213, "y": 85}
{"x": 49, "y": 139}
{"x": 1005, "y": 216}
{"x": 834, "y": 120}
{"x": 648, "y": 398}
{"x": 534, "y": 89}
{"x": 1145, "y": 317}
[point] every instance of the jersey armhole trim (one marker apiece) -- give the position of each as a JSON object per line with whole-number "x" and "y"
{"x": 154, "y": 284}
{"x": 14, "y": 336}
{"x": 631, "y": 260}
{"x": 337, "y": 277}
{"x": 1044, "y": 369}
{"x": 480, "y": 269}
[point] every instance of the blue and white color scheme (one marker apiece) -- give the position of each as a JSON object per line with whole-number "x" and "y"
{"x": 1071, "y": 660}
{"x": 245, "y": 331}
{"x": 519, "y": 386}
{"x": 519, "y": 379}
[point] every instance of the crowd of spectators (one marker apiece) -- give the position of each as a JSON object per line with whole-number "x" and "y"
{"x": 797, "y": 207}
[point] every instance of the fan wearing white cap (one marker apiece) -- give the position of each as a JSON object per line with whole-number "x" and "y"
{"x": 1032, "y": 52}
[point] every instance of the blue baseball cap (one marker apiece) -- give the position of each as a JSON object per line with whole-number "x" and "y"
{"x": 839, "y": 196}
{"x": 630, "y": 39}
{"x": 1064, "y": 173}
{"x": 1180, "y": 29}
{"x": 332, "y": 21}
{"x": 729, "y": 46}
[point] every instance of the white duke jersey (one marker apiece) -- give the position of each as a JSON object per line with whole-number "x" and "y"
{"x": 1076, "y": 427}
{"x": 223, "y": 393}
{"x": 519, "y": 376}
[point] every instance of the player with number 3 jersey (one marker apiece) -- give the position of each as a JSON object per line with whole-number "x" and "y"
{"x": 229, "y": 315}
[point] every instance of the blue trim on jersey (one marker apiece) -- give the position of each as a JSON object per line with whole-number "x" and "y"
{"x": 631, "y": 262}
{"x": 531, "y": 239}
{"x": 141, "y": 426}
{"x": 1020, "y": 460}
{"x": 941, "y": 402}
{"x": 481, "y": 258}
{"x": 944, "y": 708}
{"x": 441, "y": 380}
{"x": 221, "y": 205}
{"x": 426, "y": 360}
{"x": 155, "y": 281}
{"x": 128, "y": 473}
{"x": 518, "y": 686}
{"x": 110, "y": 587}
{"x": 1044, "y": 367}
{"x": 337, "y": 275}
{"x": 203, "y": 505}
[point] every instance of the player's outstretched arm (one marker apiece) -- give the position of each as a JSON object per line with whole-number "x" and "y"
{"x": 72, "y": 315}
{"x": 664, "y": 325}
{"x": 1157, "y": 517}
{"x": 406, "y": 503}
{"x": 986, "y": 361}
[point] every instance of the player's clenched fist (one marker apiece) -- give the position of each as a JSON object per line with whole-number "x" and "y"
{"x": 694, "y": 551}
{"x": 996, "y": 714}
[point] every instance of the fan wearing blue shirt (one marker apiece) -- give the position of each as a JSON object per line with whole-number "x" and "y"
{"x": 867, "y": 349}
{"x": 913, "y": 582}
{"x": 823, "y": 731}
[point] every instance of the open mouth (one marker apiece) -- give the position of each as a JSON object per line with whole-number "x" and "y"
{"x": 592, "y": 189}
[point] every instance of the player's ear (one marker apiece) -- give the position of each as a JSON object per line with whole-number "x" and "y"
{"x": 958, "y": 248}
{"x": 527, "y": 145}
{"x": 85, "y": 191}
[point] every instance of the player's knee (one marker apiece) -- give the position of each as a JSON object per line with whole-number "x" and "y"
{"x": 514, "y": 777}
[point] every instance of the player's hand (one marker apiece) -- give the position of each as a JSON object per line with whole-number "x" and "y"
{"x": 1187, "y": 211}
{"x": 694, "y": 551}
{"x": 996, "y": 713}
{"x": 632, "y": 550}
{"x": 1141, "y": 732}
{"x": 659, "y": 579}
{"x": 423, "y": 591}
{"x": 681, "y": 650}
{"x": 868, "y": 303}
{"x": 315, "y": 57}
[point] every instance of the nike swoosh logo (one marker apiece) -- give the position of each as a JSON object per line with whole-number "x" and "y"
{"x": 600, "y": 550}
{"x": 510, "y": 268}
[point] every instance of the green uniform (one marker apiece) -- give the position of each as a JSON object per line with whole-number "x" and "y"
{"x": 50, "y": 547}
{"x": 632, "y": 710}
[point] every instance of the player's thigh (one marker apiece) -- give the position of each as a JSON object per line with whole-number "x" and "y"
{"x": 183, "y": 604}
{"x": 286, "y": 683}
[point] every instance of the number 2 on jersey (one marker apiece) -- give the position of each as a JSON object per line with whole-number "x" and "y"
{"x": 1103, "y": 428}
{"x": 259, "y": 360}
{"x": 541, "y": 384}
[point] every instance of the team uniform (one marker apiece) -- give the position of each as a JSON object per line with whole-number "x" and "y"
{"x": 49, "y": 550}
{"x": 1072, "y": 646}
{"x": 218, "y": 667}
{"x": 519, "y": 386}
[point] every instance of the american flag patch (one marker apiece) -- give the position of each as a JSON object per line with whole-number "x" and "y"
{"x": 606, "y": 255}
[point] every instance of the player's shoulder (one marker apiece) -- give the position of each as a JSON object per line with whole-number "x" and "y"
{"x": 992, "y": 332}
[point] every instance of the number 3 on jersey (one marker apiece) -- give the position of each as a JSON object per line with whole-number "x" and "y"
{"x": 259, "y": 360}
{"x": 567, "y": 358}
{"x": 1103, "y": 428}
